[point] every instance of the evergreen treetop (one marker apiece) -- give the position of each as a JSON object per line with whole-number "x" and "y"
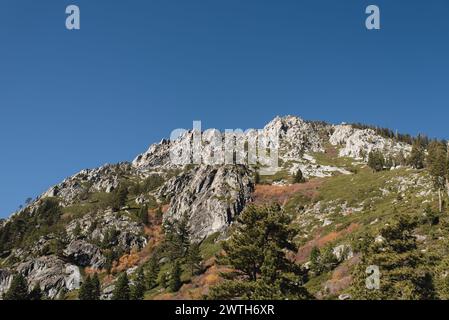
{"x": 139, "y": 287}
{"x": 174, "y": 283}
{"x": 257, "y": 251}
{"x": 403, "y": 275}
{"x": 122, "y": 290}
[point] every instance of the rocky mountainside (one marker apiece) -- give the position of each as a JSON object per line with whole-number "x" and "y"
{"x": 92, "y": 222}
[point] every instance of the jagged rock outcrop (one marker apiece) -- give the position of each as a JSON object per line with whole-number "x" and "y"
{"x": 296, "y": 136}
{"x": 158, "y": 155}
{"x": 358, "y": 143}
{"x": 191, "y": 147}
{"x": 52, "y": 274}
{"x": 210, "y": 197}
{"x": 105, "y": 178}
{"x": 84, "y": 254}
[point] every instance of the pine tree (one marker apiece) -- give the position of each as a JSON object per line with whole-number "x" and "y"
{"x": 362, "y": 154}
{"x": 111, "y": 256}
{"x": 119, "y": 197}
{"x": 194, "y": 258}
{"x": 96, "y": 288}
{"x": 171, "y": 245}
{"x": 257, "y": 250}
{"x": 143, "y": 215}
{"x": 299, "y": 177}
{"x": 85, "y": 292}
{"x": 268, "y": 271}
{"x": 322, "y": 261}
{"x": 183, "y": 234}
{"x": 437, "y": 164}
{"x": 417, "y": 156}
{"x": 36, "y": 293}
{"x": 430, "y": 217}
{"x": 403, "y": 275}
{"x": 153, "y": 272}
{"x": 174, "y": 283}
{"x": 441, "y": 273}
{"x": 376, "y": 160}
{"x": 177, "y": 238}
{"x": 328, "y": 259}
{"x": 268, "y": 287}
{"x": 121, "y": 290}
{"x": 138, "y": 290}
{"x": 110, "y": 238}
{"x": 315, "y": 261}
{"x": 400, "y": 159}
{"x": 18, "y": 289}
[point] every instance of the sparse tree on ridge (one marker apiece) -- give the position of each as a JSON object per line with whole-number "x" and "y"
{"x": 437, "y": 164}
{"x": 417, "y": 156}
{"x": 119, "y": 197}
{"x": 376, "y": 160}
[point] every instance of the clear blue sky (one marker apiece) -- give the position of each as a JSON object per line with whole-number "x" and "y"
{"x": 139, "y": 68}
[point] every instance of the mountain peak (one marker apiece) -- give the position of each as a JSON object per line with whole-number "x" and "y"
{"x": 97, "y": 217}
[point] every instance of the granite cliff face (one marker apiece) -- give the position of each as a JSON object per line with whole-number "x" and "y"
{"x": 358, "y": 143}
{"x": 209, "y": 197}
{"x": 78, "y": 223}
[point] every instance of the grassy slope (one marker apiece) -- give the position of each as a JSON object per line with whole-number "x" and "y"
{"x": 367, "y": 199}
